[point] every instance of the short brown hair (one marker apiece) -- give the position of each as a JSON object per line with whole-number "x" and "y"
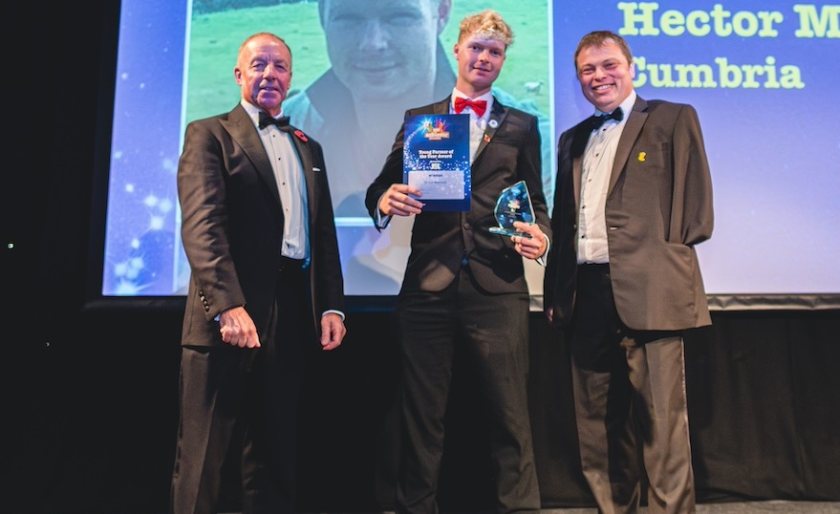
{"x": 488, "y": 24}
{"x": 600, "y": 38}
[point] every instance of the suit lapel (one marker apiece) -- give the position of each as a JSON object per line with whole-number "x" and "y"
{"x": 300, "y": 142}
{"x": 241, "y": 129}
{"x": 631, "y": 132}
{"x": 497, "y": 117}
{"x": 442, "y": 107}
{"x": 577, "y": 146}
{"x": 576, "y": 162}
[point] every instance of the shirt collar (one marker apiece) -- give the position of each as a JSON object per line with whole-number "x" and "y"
{"x": 626, "y": 106}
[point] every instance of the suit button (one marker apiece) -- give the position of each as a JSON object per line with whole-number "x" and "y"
{"x": 465, "y": 261}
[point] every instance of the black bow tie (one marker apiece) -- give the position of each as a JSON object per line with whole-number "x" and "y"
{"x": 596, "y": 122}
{"x": 265, "y": 120}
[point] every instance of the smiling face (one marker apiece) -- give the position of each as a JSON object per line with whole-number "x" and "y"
{"x": 264, "y": 72}
{"x": 605, "y": 75}
{"x": 480, "y": 61}
{"x": 380, "y": 49}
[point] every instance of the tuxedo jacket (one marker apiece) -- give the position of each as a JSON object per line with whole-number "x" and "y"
{"x": 659, "y": 205}
{"x": 232, "y": 225}
{"x": 442, "y": 242}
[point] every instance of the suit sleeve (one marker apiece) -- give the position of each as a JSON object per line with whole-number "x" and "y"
{"x": 692, "y": 182}
{"x": 529, "y": 169}
{"x": 324, "y": 243}
{"x": 562, "y": 229}
{"x": 204, "y": 221}
{"x": 391, "y": 173}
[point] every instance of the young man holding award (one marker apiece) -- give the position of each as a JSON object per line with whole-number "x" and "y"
{"x": 464, "y": 286}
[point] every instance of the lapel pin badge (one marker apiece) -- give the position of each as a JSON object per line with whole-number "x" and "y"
{"x": 642, "y": 156}
{"x": 486, "y": 138}
{"x": 300, "y": 135}
{"x": 493, "y": 123}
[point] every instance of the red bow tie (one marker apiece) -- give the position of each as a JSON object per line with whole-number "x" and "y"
{"x": 477, "y": 106}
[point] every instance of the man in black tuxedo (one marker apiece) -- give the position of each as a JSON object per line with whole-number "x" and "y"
{"x": 464, "y": 286}
{"x": 259, "y": 234}
{"x": 633, "y": 198}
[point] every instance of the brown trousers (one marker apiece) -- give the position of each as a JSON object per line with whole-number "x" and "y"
{"x": 629, "y": 391}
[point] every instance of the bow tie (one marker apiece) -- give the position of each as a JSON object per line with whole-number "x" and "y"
{"x": 596, "y": 122}
{"x": 266, "y": 120}
{"x": 477, "y": 106}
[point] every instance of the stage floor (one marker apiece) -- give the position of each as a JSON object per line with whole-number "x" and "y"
{"x": 757, "y": 507}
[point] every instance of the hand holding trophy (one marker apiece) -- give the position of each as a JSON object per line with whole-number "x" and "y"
{"x": 515, "y": 216}
{"x": 514, "y": 204}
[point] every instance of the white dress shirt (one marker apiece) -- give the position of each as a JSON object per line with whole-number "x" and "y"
{"x": 596, "y": 168}
{"x": 291, "y": 184}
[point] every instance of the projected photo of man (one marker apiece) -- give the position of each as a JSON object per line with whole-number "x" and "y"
{"x": 385, "y": 56}
{"x": 363, "y": 63}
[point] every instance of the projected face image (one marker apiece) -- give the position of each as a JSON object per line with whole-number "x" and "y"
{"x": 480, "y": 61}
{"x": 380, "y": 49}
{"x": 606, "y": 78}
{"x": 264, "y": 72}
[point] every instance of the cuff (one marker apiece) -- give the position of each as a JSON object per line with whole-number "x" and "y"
{"x": 340, "y": 314}
{"x": 381, "y": 220}
{"x": 541, "y": 260}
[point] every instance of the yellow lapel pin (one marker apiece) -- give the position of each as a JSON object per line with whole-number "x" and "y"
{"x": 642, "y": 156}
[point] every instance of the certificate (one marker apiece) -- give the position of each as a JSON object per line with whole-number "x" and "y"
{"x": 436, "y": 160}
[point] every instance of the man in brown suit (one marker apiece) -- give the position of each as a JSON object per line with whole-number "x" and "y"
{"x": 633, "y": 197}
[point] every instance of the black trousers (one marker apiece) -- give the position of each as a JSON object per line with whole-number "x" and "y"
{"x": 629, "y": 391}
{"x": 492, "y": 332}
{"x": 248, "y": 398}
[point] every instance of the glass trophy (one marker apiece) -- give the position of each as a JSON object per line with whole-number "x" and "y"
{"x": 514, "y": 204}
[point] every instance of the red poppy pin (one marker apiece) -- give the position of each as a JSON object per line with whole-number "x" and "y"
{"x": 300, "y": 135}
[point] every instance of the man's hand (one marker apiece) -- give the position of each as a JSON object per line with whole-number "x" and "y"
{"x": 532, "y": 247}
{"x": 332, "y": 331}
{"x": 398, "y": 201}
{"x": 237, "y": 328}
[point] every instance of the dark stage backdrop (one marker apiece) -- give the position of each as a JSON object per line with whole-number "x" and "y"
{"x": 99, "y": 418}
{"x": 90, "y": 396}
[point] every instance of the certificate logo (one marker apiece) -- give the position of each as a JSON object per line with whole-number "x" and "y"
{"x": 435, "y": 131}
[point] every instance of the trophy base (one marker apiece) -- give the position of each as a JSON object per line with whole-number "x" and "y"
{"x": 502, "y": 231}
